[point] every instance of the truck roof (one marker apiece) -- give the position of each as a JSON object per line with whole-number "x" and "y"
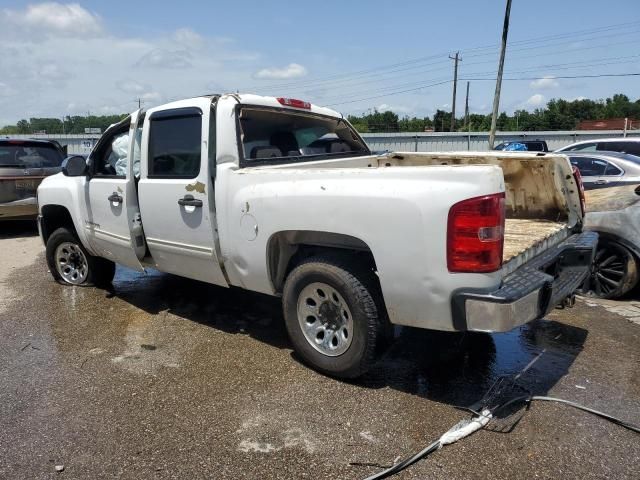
{"x": 262, "y": 101}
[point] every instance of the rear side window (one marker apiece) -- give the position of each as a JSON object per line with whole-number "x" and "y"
{"x": 585, "y": 147}
{"x": 625, "y": 147}
{"x": 612, "y": 170}
{"x": 535, "y": 146}
{"x": 175, "y": 142}
{"x": 29, "y": 155}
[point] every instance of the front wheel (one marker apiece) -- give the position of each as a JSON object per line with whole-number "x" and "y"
{"x": 614, "y": 271}
{"x": 334, "y": 316}
{"x": 71, "y": 264}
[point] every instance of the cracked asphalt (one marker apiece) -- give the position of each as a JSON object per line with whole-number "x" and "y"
{"x": 171, "y": 378}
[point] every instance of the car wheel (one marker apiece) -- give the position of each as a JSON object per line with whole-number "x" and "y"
{"x": 614, "y": 271}
{"x": 71, "y": 264}
{"x": 334, "y": 316}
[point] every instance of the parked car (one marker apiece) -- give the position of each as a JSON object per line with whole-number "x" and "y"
{"x": 523, "y": 145}
{"x": 614, "y": 213}
{"x": 606, "y": 169}
{"x": 279, "y": 196}
{"x": 23, "y": 165}
{"x": 630, "y": 145}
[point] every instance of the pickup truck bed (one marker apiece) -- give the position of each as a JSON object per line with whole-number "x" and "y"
{"x": 521, "y": 235}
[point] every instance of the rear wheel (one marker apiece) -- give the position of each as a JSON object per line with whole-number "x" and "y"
{"x": 614, "y": 271}
{"x": 71, "y": 264}
{"x": 334, "y": 316}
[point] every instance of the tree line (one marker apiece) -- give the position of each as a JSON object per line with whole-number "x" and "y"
{"x": 558, "y": 114}
{"x": 68, "y": 124}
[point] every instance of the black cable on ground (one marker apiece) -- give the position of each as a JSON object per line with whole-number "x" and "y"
{"x": 482, "y": 419}
{"x": 617, "y": 421}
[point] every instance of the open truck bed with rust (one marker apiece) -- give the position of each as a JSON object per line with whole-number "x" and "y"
{"x": 540, "y": 197}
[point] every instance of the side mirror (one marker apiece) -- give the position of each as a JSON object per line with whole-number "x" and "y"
{"x": 74, "y": 166}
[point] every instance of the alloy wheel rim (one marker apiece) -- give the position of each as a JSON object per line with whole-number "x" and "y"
{"x": 325, "y": 319}
{"x": 71, "y": 263}
{"x": 609, "y": 271}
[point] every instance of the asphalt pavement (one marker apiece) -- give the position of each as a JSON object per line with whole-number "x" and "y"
{"x": 172, "y": 378}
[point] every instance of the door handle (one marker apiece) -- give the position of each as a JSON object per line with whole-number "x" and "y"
{"x": 114, "y": 198}
{"x": 189, "y": 201}
{"x": 601, "y": 182}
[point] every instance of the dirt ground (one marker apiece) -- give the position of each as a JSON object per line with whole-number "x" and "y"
{"x": 170, "y": 378}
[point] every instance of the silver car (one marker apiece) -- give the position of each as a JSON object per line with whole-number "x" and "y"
{"x": 612, "y": 193}
{"x": 606, "y": 169}
{"x": 629, "y": 145}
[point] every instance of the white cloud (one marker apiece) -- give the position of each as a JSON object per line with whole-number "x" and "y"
{"x": 188, "y": 38}
{"x": 293, "y": 70}
{"x": 54, "y": 19}
{"x": 544, "y": 83}
{"x": 161, "y": 58}
{"x": 132, "y": 86}
{"x": 536, "y": 100}
{"x": 394, "y": 108}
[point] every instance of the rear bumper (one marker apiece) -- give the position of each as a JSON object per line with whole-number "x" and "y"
{"x": 530, "y": 292}
{"x": 26, "y": 207}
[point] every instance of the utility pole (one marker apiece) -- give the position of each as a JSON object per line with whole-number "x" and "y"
{"x": 456, "y": 59}
{"x": 466, "y": 108}
{"x": 139, "y": 103}
{"x": 496, "y": 98}
{"x": 466, "y": 119}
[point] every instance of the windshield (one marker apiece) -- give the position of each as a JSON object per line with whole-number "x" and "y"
{"x": 29, "y": 155}
{"x": 281, "y": 136}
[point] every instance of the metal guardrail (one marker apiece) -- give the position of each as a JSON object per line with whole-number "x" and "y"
{"x": 479, "y": 141}
{"x": 402, "y": 141}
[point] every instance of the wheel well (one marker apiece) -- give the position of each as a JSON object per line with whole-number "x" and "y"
{"x": 612, "y": 238}
{"x": 54, "y": 217}
{"x": 287, "y": 249}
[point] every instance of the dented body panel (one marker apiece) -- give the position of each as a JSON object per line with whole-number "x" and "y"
{"x": 250, "y": 221}
{"x": 615, "y": 212}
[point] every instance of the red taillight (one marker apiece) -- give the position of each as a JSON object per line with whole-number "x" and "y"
{"x": 294, "y": 102}
{"x": 578, "y": 178}
{"x": 475, "y": 234}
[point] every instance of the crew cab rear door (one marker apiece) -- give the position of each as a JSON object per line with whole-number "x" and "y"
{"x": 176, "y": 190}
{"x": 113, "y": 216}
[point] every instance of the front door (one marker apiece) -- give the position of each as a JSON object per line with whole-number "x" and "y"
{"x": 175, "y": 191}
{"x": 113, "y": 223}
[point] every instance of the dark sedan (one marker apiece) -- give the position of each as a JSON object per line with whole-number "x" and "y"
{"x": 23, "y": 165}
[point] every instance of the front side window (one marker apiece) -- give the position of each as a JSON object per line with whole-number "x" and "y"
{"x": 589, "y": 167}
{"x": 175, "y": 144}
{"x": 279, "y": 136}
{"x": 109, "y": 158}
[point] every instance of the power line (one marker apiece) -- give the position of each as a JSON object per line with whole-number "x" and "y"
{"x": 345, "y": 76}
{"x": 483, "y": 79}
{"x": 560, "y": 66}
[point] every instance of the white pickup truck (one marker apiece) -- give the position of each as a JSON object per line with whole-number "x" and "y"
{"x": 282, "y": 197}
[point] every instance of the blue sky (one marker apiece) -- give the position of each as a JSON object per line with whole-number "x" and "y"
{"x": 68, "y": 58}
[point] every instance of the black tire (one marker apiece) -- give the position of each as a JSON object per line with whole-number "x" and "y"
{"x": 99, "y": 271}
{"x": 614, "y": 272}
{"x": 359, "y": 289}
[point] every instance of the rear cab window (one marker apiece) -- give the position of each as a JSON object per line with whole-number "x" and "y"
{"x": 273, "y": 136}
{"x": 25, "y": 155}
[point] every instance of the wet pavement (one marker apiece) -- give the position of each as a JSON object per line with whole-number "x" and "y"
{"x": 171, "y": 378}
